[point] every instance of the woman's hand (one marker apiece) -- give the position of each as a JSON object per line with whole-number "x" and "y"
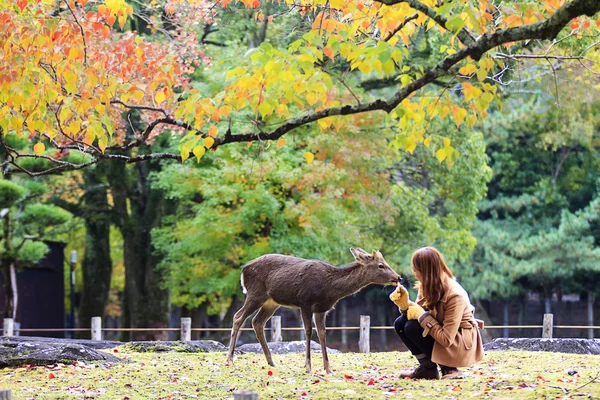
{"x": 480, "y": 323}
{"x": 400, "y": 298}
{"x": 414, "y": 312}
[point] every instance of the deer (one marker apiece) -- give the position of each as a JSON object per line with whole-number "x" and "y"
{"x": 275, "y": 280}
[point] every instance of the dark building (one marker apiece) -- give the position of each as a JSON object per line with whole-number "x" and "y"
{"x": 41, "y": 291}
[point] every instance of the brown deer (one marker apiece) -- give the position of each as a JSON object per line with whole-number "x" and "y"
{"x": 275, "y": 280}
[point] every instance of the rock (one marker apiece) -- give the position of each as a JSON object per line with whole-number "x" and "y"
{"x": 557, "y": 345}
{"x": 94, "y": 344}
{"x": 193, "y": 346}
{"x": 17, "y": 354}
{"x": 284, "y": 347}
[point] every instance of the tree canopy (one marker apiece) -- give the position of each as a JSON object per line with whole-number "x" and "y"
{"x": 72, "y": 71}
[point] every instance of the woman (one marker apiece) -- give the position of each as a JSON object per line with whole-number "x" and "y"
{"x": 440, "y": 327}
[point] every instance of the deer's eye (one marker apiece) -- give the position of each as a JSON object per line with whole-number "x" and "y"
{"x": 381, "y": 266}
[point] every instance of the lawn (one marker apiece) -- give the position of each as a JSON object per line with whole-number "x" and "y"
{"x": 502, "y": 375}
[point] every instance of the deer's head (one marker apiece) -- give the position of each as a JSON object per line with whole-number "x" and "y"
{"x": 375, "y": 268}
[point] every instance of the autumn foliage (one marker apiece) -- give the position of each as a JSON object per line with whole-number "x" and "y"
{"x": 71, "y": 71}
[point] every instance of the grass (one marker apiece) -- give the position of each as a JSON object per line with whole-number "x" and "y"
{"x": 501, "y": 375}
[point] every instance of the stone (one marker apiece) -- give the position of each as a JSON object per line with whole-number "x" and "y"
{"x": 284, "y": 347}
{"x": 94, "y": 344}
{"x": 555, "y": 345}
{"x": 193, "y": 346}
{"x": 18, "y": 354}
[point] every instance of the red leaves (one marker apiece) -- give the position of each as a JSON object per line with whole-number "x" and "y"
{"x": 51, "y": 376}
{"x": 270, "y": 373}
{"x": 21, "y": 4}
{"x": 371, "y": 382}
{"x": 348, "y": 377}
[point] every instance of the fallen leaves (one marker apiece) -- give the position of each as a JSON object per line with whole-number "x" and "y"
{"x": 357, "y": 376}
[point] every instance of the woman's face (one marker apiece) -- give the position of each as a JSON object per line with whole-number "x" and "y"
{"x": 417, "y": 274}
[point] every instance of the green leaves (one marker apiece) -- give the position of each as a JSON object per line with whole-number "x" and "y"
{"x": 10, "y": 193}
{"x": 44, "y": 215}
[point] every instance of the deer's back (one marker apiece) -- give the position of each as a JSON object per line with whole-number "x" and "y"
{"x": 289, "y": 281}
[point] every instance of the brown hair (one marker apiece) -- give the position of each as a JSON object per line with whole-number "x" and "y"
{"x": 430, "y": 264}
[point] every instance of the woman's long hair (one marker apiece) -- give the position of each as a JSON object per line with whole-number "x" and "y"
{"x": 431, "y": 266}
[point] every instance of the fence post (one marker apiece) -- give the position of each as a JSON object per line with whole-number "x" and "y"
{"x": 276, "y": 329}
{"x": 9, "y": 327}
{"x": 96, "y": 328}
{"x": 364, "y": 343}
{"x": 547, "y": 330}
{"x": 5, "y": 394}
{"x": 245, "y": 395}
{"x": 186, "y": 329}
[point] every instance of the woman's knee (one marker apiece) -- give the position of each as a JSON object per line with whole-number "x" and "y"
{"x": 399, "y": 323}
{"x": 412, "y": 328}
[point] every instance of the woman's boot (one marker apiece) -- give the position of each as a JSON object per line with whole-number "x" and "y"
{"x": 450, "y": 372}
{"x": 426, "y": 369}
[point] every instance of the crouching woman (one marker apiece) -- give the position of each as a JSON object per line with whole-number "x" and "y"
{"x": 440, "y": 328}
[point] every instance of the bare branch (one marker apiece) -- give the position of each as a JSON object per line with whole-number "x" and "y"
{"x": 399, "y": 27}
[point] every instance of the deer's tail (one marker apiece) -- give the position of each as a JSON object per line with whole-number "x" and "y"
{"x": 242, "y": 282}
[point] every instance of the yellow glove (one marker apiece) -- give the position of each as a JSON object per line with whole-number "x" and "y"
{"x": 414, "y": 312}
{"x": 400, "y": 298}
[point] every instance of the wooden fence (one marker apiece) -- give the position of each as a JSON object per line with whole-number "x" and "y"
{"x": 365, "y": 328}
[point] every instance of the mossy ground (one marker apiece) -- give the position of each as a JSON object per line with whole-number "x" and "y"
{"x": 501, "y": 375}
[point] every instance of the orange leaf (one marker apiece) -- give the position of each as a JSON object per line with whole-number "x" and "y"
{"x": 111, "y": 20}
{"x": 51, "y": 376}
{"x": 39, "y": 148}
{"x": 328, "y": 51}
{"x": 256, "y": 4}
{"x": 213, "y": 131}
{"x": 281, "y": 143}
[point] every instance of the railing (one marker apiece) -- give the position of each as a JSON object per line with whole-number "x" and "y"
{"x": 365, "y": 328}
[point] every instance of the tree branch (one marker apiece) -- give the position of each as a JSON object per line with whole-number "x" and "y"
{"x": 463, "y": 35}
{"x": 475, "y": 49}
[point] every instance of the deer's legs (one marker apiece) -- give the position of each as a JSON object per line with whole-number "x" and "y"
{"x": 320, "y": 323}
{"x": 307, "y": 319}
{"x": 258, "y": 323}
{"x": 250, "y": 305}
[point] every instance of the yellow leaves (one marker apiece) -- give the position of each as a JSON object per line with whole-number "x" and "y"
{"x": 265, "y": 109}
{"x": 470, "y": 92}
{"x": 159, "y": 97}
{"x": 459, "y": 114}
{"x": 39, "y": 148}
{"x": 309, "y": 157}
{"x": 467, "y": 69}
{"x": 447, "y": 153}
{"x": 70, "y": 78}
{"x": 208, "y": 142}
{"x": 427, "y": 142}
{"x": 198, "y": 152}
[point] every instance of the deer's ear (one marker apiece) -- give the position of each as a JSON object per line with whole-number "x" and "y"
{"x": 360, "y": 255}
{"x": 377, "y": 254}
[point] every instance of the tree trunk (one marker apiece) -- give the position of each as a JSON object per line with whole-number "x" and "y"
{"x": 590, "y": 313}
{"x": 506, "y": 319}
{"x": 138, "y": 210}
{"x": 97, "y": 263}
{"x": 344, "y": 323}
{"x": 15, "y": 293}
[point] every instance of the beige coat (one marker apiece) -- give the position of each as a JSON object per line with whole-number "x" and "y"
{"x": 452, "y": 324}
